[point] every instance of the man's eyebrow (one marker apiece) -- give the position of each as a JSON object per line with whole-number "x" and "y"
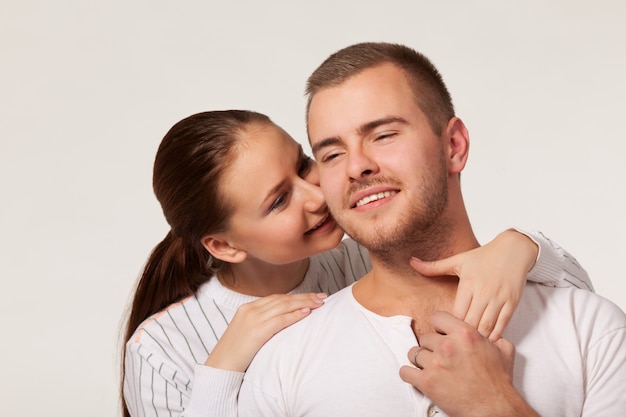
{"x": 369, "y": 126}
{"x": 323, "y": 143}
{"x": 362, "y": 130}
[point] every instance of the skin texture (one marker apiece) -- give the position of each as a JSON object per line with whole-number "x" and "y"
{"x": 278, "y": 219}
{"x": 370, "y": 137}
{"x": 272, "y": 231}
{"x": 492, "y": 306}
{"x": 270, "y": 239}
{"x": 344, "y": 148}
{"x": 255, "y": 323}
{"x": 457, "y": 349}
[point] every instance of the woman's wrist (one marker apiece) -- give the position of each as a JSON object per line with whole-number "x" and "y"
{"x": 524, "y": 244}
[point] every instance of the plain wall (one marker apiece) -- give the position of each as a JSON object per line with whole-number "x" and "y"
{"x": 88, "y": 89}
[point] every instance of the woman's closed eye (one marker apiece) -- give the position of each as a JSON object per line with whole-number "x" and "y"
{"x": 280, "y": 201}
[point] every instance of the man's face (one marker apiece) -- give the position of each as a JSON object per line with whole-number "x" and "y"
{"x": 382, "y": 169}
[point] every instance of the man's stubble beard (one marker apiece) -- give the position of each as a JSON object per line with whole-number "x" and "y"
{"x": 420, "y": 232}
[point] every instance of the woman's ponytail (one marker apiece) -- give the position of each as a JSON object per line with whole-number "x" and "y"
{"x": 190, "y": 162}
{"x": 172, "y": 272}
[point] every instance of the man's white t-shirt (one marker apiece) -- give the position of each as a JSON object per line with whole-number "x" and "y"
{"x": 344, "y": 360}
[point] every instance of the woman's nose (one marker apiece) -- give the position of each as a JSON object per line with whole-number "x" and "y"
{"x": 314, "y": 199}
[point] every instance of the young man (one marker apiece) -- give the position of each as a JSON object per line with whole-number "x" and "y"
{"x": 390, "y": 151}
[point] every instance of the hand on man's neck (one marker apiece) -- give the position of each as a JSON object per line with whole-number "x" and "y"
{"x": 393, "y": 287}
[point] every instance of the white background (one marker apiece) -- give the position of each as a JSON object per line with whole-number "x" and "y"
{"x": 88, "y": 89}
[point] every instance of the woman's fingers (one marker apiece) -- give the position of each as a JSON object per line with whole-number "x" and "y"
{"x": 491, "y": 279}
{"x": 447, "y": 267}
{"x": 488, "y": 312}
{"x": 503, "y": 320}
{"x": 489, "y": 317}
{"x": 255, "y": 323}
{"x": 441, "y": 267}
{"x": 273, "y": 305}
{"x": 271, "y": 314}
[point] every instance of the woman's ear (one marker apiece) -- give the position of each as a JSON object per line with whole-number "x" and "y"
{"x": 222, "y": 249}
{"x": 457, "y": 146}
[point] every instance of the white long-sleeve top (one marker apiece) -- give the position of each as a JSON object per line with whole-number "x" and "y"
{"x": 165, "y": 371}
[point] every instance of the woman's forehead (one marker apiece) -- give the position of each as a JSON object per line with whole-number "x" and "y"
{"x": 268, "y": 156}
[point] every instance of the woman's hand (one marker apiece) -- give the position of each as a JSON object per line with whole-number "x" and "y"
{"x": 255, "y": 323}
{"x": 491, "y": 280}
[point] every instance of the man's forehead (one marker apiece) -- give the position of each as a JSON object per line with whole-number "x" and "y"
{"x": 358, "y": 104}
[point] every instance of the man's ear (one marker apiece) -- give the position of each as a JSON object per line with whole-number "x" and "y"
{"x": 457, "y": 146}
{"x": 220, "y": 248}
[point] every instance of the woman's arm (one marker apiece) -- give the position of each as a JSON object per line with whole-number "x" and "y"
{"x": 491, "y": 277}
{"x": 160, "y": 380}
{"x": 255, "y": 323}
{"x": 153, "y": 384}
{"x": 214, "y": 393}
{"x": 555, "y": 266}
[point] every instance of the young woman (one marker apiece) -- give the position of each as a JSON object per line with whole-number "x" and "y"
{"x": 248, "y": 220}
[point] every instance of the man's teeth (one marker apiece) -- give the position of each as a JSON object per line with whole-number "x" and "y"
{"x": 374, "y": 197}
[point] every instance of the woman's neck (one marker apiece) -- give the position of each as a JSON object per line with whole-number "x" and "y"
{"x": 260, "y": 279}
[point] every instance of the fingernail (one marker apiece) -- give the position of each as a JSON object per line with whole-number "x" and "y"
{"x": 322, "y": 295}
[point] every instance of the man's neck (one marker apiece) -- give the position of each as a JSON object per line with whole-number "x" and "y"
{"x": 393, "y": 287}
{"x": 389, "y": 294}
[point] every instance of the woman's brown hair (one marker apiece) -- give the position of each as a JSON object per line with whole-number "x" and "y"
{"x": 189, "y": 164}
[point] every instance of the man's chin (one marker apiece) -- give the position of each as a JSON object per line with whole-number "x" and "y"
{"x": 369, "y": 238}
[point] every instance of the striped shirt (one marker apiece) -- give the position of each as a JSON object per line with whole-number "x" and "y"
{"x": 165, "y": 375}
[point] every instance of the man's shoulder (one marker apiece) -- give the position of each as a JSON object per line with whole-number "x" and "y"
{"x": 332, "y": 312}
{"x": 574, "y": 294}
{"x": 334, "y": 306}
{"x": 582, "y": 306}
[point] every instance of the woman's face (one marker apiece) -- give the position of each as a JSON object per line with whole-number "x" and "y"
{"x": 279, "y": 215}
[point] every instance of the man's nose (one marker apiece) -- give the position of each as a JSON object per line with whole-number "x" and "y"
{"x": 361, "y": 165}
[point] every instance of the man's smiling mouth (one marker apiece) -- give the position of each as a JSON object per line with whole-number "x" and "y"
{"x": 374, "y": 197}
